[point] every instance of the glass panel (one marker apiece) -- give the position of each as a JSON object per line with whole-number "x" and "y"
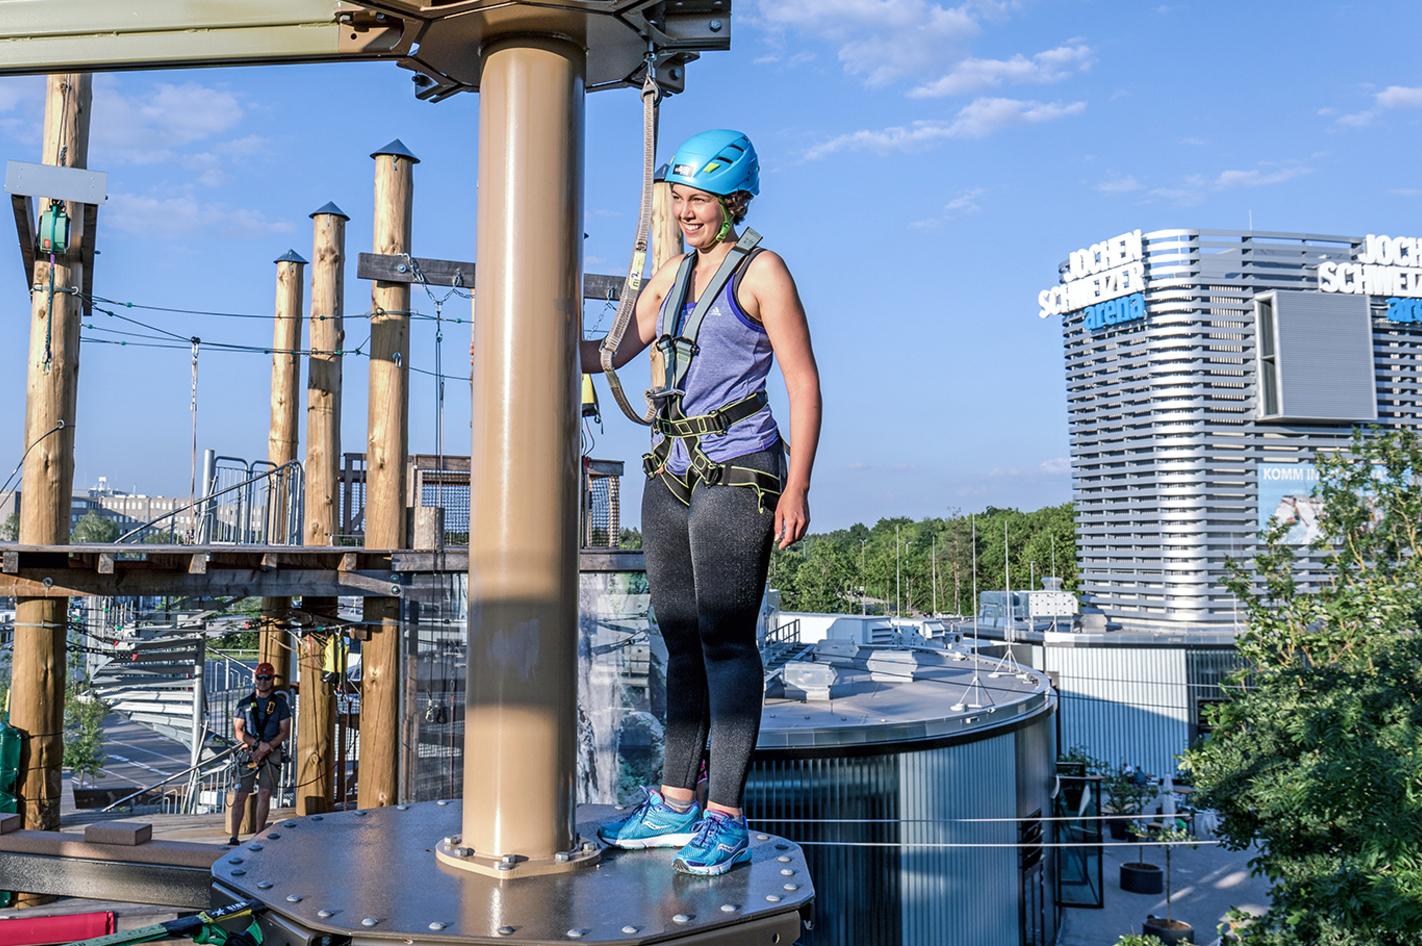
{"x": 1078, "y": 800}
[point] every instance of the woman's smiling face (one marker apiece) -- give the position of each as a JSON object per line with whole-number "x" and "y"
{"x": 700, "y": 215}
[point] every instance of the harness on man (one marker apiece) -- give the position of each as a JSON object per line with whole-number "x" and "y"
{"x": 676, "y": 351}
{"x": 254, "y": 718}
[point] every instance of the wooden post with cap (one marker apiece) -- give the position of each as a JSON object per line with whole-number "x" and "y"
{"x": 315, "y": 737}
{"x": 386, "y": 459}
{"x": 282, "y": 445}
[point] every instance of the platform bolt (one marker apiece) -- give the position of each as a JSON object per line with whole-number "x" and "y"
{"x": 254, "y": 847}
{"x": 508, "y": 859}
{"x": 288, "y": 824}
{"x": 402, "y": 807}
{"x": 783, "y": 859}
{"x": 576, "y": 933}
{"x": 505, "y": 931}
{"x": 369, "y": 921}
{"x": 629, "y": 929}
{"x": 238, "y": 872}
{"x": 728, "y": 908}
{"x": 264, "y": 885}
{"x": 792, "y": 886}
{"x": 681, "y": 918}
{"x": 293, "y": 898}
{"x": 437, "y": 925}
{"x": 325, "y": 914}
{"x": 562, "y": 857}
{"x": 773, "y": 897}
{"x": 787, "y": 872}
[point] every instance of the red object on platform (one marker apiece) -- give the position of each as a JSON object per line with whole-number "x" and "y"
{"x": 32, "y": 931}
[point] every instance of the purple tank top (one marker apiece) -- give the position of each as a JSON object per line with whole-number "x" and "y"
{"x": 732, "y": 363}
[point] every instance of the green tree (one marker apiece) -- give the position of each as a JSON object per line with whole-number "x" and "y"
{"x": 1317, "y": 756}
{"x": 10, "y": 530}
{"x": 94, "y": 528}
{"x": 629, "y": 538}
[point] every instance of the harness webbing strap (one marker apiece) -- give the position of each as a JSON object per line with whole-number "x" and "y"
{"x": 683, "y": 337}
{"x": 631, "y": 286}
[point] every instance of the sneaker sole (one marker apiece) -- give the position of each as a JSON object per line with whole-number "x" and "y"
{"x": 712, "y": 870}
{"x": 660, "y": 840}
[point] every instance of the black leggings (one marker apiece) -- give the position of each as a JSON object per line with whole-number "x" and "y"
{"x": 706, "y": 565}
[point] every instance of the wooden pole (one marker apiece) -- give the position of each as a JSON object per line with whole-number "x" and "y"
{"x": 315, "y": 723}
{"x": 666, "y": 233}
{"x": 37, "y": 698}
{"x": 387, "y": 455}
{"x": 273, "y": 646}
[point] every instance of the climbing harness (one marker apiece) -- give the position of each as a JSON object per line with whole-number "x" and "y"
{"x": 631, "y": 286}
{"x": 676, "y": 351}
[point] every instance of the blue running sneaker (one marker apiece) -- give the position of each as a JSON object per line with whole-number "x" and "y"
{"x": 721, "y": 843}
{"x": 653, "y": 824}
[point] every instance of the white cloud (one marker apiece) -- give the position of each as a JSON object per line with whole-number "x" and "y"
{"x": 185, "y": 215}
{"x": 1197, "y": 142}
{"x": 1056, "y": 466}
{"x": 972, "y": 75}
{"x": 1397, "y": 96}
{"x": 882, "y": 40}
{"x": 978, "y": 119}
{"x": 1394, "y": 96}
{"x": 1116, "y": 184}
{"x": 965, "y": 204}
{"x": 1196, "y": 187}
{"x": 1258, "y": 177}
{"x": 1406, "y": 192}
{"x": 147, "y": 127}
{"x": 14, "y": 91}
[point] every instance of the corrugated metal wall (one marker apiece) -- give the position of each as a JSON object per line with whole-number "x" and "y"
{"x": 856, "y": 888}
{"x": 916, "y": 896}
{"x": 960, "y": 896}
{"x": 1125, "y": 704}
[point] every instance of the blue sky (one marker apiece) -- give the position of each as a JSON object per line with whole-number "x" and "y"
{"x": 924, "y": 169}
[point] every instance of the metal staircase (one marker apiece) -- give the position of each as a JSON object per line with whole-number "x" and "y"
{"x": 157, "y": 683}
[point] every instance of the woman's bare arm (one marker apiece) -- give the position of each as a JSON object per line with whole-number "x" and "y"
{"x": 643, "y": 330}
{"x": 769, "y": 295}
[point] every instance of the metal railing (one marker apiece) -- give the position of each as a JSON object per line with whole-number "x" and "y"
{"x": 265, "y": 507}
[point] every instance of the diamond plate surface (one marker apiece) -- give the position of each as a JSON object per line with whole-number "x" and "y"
{"x": 373, "y": 875}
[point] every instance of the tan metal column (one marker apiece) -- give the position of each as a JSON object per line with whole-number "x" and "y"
{"x": 273, "y": 645}
{"x": 315, "y": 737}
{"x": 387, "y": 456}
{"x": 521, "y": 722}
{"x": 37, "y": 697}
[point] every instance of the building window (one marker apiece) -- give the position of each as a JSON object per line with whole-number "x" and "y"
{"x": 1268, "y": 356}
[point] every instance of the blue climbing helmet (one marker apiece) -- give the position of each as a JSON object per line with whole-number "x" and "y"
{"x": 718, "y": 162}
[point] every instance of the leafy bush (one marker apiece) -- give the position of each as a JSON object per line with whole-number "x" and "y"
{"x": 1316, "y": 758}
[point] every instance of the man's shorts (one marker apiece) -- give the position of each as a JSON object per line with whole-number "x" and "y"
{"x": 263, "y": 777}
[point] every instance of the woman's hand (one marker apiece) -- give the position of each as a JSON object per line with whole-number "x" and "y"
{"x": 792, "y": 516}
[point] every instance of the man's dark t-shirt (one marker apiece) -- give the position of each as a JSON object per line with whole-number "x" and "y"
{"x": 263, "y": 716}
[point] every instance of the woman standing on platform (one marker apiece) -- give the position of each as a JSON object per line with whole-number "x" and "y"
{"x": 719, "y": 492}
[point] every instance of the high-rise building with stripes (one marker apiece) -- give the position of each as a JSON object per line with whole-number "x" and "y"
{"x": 1205, "y": 370}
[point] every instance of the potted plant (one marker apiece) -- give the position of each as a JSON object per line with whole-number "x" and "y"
{"x": 1128, "y": 795}
{"x": 1138, "y": 939}
{"x": 1168, "y": 929}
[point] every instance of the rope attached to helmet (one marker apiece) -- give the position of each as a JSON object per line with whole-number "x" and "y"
{"x": 627, "y": 304}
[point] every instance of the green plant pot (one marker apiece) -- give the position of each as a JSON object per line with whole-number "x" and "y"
{"x": 1142, "y": 878}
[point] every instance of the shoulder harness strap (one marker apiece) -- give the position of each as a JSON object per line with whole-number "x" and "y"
{"x": 679, "y": 347}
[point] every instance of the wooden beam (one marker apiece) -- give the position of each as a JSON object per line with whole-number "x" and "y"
{"x": 25, "y": 228}
{"x": 442, "y": 272}
{"x": 78, "y": 583}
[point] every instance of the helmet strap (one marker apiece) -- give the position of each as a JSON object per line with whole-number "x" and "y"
{"x": 726, "y": 222}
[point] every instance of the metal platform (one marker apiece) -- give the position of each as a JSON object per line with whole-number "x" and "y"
{"x": 372, "y": 876}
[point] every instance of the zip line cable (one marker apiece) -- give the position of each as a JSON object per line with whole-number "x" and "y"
{"x": 19, "y": 466}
